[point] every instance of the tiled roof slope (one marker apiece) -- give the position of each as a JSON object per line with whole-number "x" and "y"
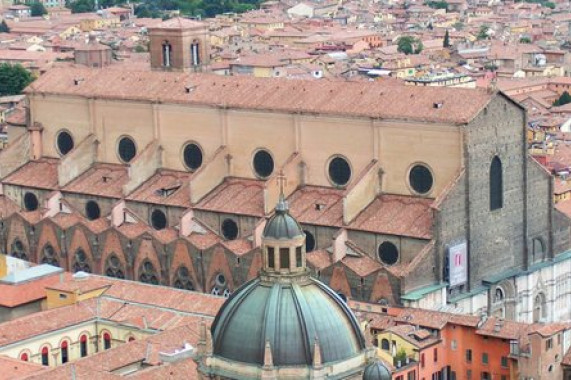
{"x": 357, "y": 99}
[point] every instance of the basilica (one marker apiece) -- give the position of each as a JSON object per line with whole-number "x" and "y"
{"x": 422, "y": 197}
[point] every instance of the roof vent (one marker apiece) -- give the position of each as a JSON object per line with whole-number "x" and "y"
{"x": 77, "y": 81}
{"x": 80, "y": 275}
{"x": 180, "y": 353}
{"x": 189, "y": 88}
{"x": 437, "y": 105}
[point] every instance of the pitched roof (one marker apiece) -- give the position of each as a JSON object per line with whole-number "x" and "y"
{"x": 355, "y": 99}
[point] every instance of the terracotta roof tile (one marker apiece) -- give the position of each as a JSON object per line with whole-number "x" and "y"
{"x": 396, "y": 215}
{"x": 166, "y": 187}
{"x": 360, "y": 99}
{"x": 41, "y": 174}
{"x": 104, "y": 180}
{"x": 236, "y": 196}
{"x": 317, "y": 205}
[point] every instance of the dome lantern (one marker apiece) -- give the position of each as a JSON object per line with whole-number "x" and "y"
{"x": 283, "y": 242}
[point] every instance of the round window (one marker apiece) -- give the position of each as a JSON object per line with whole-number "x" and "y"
{"x": 30, "y": 202}
{"x": 263, "y": 164}
{"x": 339, "y": 171}
{"x": 126, "y": 149}
{"x": 388, "y": 253}
{"x": 420, "y": 179}
{"x": 220, "y": 279}
{"x": 64, "y": 142}
{"x": 192, "y": 156}
{"x": 229, "y": 229}
{"x": 309, "y": 241}
{"x": 92, "y": 210}
{"x": 158, "y": 220}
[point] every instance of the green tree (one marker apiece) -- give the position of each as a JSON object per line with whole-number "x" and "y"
{"x": 458, "y": 25}
{"x": 38, "y": 9}
{"x": 440, "y": 4}
{"x": 446, "y": 42}
{"x": 409, "y": 45}
{"x": 4, "y": 27}
{"x": 81, "y": 6}
{"x": 549, "y": 4}
{"x": 565, "y": 98}
{"x": 13, "y": 79}
{"x": 483, "y": 33}
{"x": 525, "y": 40}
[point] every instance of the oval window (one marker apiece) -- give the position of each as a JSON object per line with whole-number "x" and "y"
{"x": 339, "y": 171}
{"x": 92, "y": 210}
{"x": 64, "y": 142}
{"x": 192, "y": 156}
{"x": 388, "y": 253}
{"x": 30, "y": 202}
{"x": 420, "y": 179}
{"x": 126, "y": 149}
{"x": 229, "y": 229}
{"x": 263, "y": 164}
{"x": 309, "y": 241}
{"x": 158, "y": 220}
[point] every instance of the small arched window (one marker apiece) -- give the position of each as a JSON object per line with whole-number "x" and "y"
{"x": 45, "y": 356}
{"x": 499, "y": 295}
{"x": 182, "y": 279}
{"x": 148, "y": 273}
{"x": 496, "y": 184}
{"x": 81, "y": 263}
{"x": 106, "y": 341}
{"x": 385, "y": 345}
{"x": 113, "y": 267}
{"x": 64, "y": 352}
{"x": 18, "y": 251}
{"x": 24, "y": 357}
{"x": 83, "y": 345}
{"x": 49, "y": 256}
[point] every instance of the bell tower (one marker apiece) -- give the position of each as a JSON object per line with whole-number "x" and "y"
{"x": 179, "y": 44}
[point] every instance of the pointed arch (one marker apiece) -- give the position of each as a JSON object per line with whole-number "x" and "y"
{"x": 147, "y": 255}
{"x": 181, "y": 259}
{"x": 496, "y": 184}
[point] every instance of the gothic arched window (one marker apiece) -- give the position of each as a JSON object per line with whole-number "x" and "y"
{"x": 49, "y": 256}
{"x": 18, "y": 251}
{"x": 81, "y": 263}
{"x": 539, "y": 308}
{"x": 182, "y": 279}
{"x": 496, "y": 184}
{"x": 220, "y": 287}
{"x": 147, "y": 273}
{"x": 113, "y": 267}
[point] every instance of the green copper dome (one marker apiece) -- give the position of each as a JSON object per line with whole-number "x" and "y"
{"x": 377, "y": 371}
{"x": 290, "y": 316}
{"x": 282, "y": 225}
